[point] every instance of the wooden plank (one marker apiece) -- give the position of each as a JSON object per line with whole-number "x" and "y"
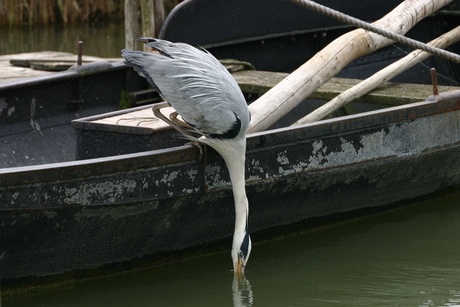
{"x": 11, "y": 73}
{"x": 28, "y": 62}
{"x": 259, "y": 82}
{"x": 51, "y": 66}
{"x": 23, "y": 61}
{"x": 60, "y": 66}
{"x": 140, "y": 118}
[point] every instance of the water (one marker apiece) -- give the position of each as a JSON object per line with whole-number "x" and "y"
{"x": 408, "y": 257}
{"x": 104, "y": 39}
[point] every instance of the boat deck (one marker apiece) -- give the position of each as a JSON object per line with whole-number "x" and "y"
{"x": 259, "y": 82}
{"x": 32, "y": 64}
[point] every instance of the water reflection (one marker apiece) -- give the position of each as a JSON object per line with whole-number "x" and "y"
{"x": 242, "y": 292}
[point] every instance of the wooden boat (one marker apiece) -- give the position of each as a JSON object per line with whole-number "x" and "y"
{"x": 66, "y": 219}
{"x": 104, "y": 197}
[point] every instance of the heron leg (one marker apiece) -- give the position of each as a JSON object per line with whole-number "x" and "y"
{"x": 174, "y": 124}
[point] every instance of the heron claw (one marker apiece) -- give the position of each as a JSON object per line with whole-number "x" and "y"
{"x": 174, "y": 119}
{"x": 175, "y": 123}
{"x": 156, "y": 111}
{"x": 200, "y": 147}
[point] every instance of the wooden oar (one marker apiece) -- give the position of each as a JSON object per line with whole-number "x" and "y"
{"x": 380, "y": 77}
{"x": 328, "y": 62}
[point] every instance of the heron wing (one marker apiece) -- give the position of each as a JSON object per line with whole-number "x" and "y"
{"x": 201, "y": 90}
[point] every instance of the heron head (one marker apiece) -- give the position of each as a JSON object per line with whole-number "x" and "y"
{"x": 240, "y": 251}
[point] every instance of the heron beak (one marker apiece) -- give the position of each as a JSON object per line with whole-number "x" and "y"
{"x": 239, "y": 267}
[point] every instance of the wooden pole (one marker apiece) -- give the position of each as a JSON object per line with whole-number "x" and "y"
{"x": 158, "y": 8}
{"x": 131, "y": 24}
{"x": 380, "y": 77}
{"x": 148, "y": 21}
{"x": 80, "y": 53}
{"x": 328, "y": 62}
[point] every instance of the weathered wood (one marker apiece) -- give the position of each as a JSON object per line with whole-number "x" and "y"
{"x": 389, "y": 93}
{"x": 61, "y": 66}
{"x": 380, "y": 77}
{"x": 131, "y": 24}
{"x": 158, "y": 8}
{"x": 16, "y": 66}
{"x": 257, "y": 81}
{"x": 148, "y": 22}
{"x": 10, "y": 72}
{"x": 27, "y": 62}
{"x": 138, "y": 118}
{"x": 51, "y": 66}
{"x": 327, "y": 63}
{"x": 80, "y": 53}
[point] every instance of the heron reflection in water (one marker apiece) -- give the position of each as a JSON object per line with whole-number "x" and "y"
{"x": 211, "y": 103}
{"x": 242, "y": 292}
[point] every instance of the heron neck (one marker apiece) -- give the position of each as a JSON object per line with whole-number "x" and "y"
{"x": 235, "y": 156}
{"x": 237, "y": 176}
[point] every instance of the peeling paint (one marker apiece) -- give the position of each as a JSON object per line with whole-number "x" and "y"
{"x": 14, "y": 196}
{"x": 409, "y": 138}
{"x": 167, "y": 178}
{"x": 3, "y": 105}
{"x": 255, "y": 165}
{"x": 254, "y": 178}
{"x": 192, "y": 173}
{"x": 214, "y": 173}
{"x": 33, "y": 121}
{"x": 282, "y": 159}
{"x": 112, "y": 190}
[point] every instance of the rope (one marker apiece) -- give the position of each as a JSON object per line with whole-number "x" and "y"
{"x": 367, "y": 26}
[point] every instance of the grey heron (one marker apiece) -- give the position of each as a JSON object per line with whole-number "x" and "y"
{"x": 208, "y": 99}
